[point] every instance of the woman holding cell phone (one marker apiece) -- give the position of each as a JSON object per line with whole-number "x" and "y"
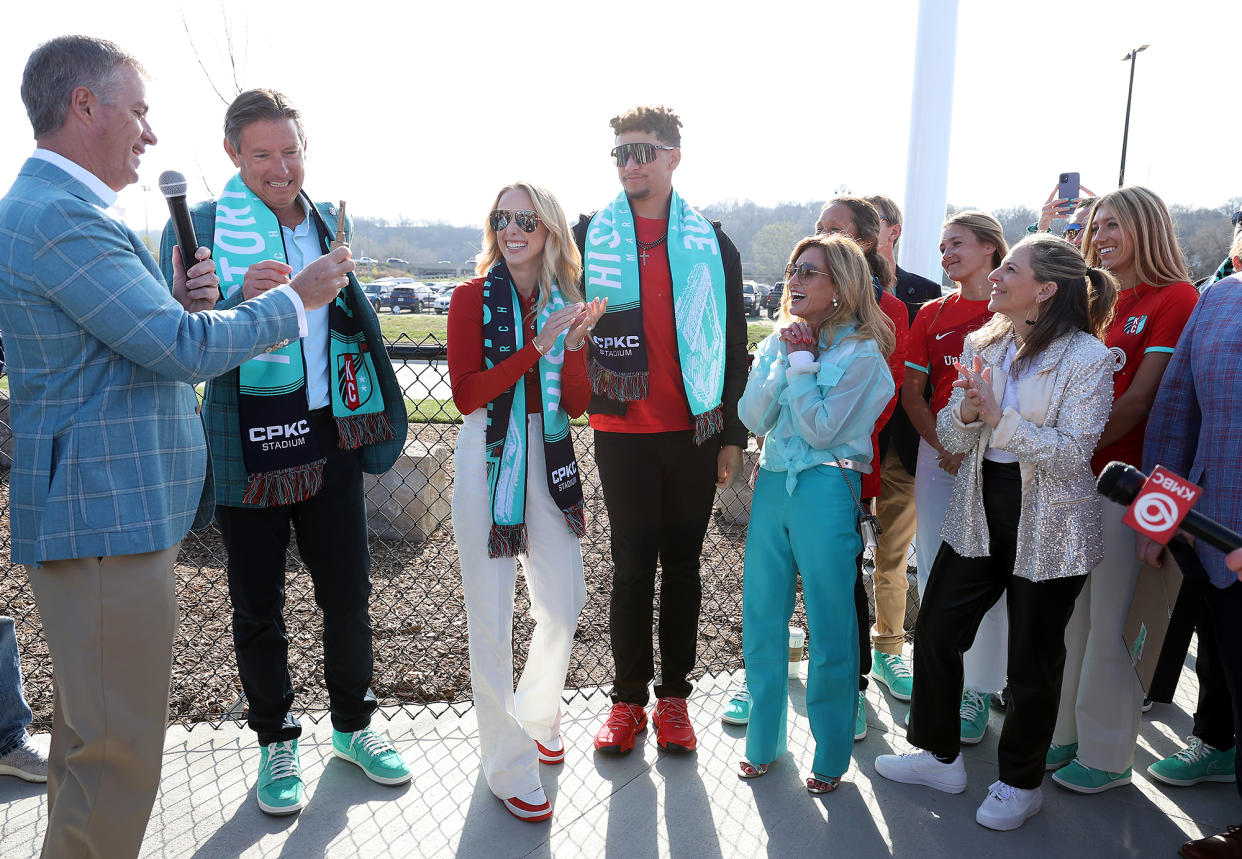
{"x": 518, "y": 371}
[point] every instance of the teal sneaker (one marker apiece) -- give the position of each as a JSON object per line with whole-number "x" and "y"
{"x": 1195, "y": 763}
{"x": 892, "y": 672}
{"x": 737, "y": 711}
{"x": 1080, "y": 778}
{"x": 279, "y": 790}
{"x": 860, "y": 718}
{"x": 974, "y": 716}
{"x": 1060, "y": 755}
{"x": 372, "y": 752}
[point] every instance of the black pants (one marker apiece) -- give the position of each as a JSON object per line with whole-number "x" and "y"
{"x": 863, "y": 613}
{"x": 959, "y": 593}
{"x": 1225, "y": 609}
{"x": 658, "y": 488}
{"x": 331, "y": 532}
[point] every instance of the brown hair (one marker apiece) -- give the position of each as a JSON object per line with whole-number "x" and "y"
{"x": 1147, "y": 224}
{"x": 654, "y": 119}
{"x": 985, "y": 228}
{"x": 254, "y": 105}
{"x": 866, "y": 229}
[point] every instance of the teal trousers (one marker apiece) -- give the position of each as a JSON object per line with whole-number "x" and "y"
{"x": 814, "y": 531}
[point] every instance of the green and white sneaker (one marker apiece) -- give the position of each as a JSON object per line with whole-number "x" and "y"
{"x": 1080, "y": 778}
{"x": 371, "y": 751}
{"x": 279, "y": 789}
{"x": 1060, "y": 755}
{"x": 737, "y": 711}
{"x": 891, "y": 670}
{"x": 1195, "y": 763}
{"x": 974, "y": 715}
{"x": 860, "y": 718}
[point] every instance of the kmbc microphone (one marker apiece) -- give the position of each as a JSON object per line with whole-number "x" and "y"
{"x": 1160, "y": 504}
{"x": 173, "y": 186}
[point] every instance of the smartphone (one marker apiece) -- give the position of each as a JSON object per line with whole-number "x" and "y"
{"x": 1067, "y": 186}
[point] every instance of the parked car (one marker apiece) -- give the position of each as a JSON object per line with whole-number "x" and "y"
{"x": 372, "y": 291}
{"x": 772, "y": 301}
{"x": 444, "y": 298}
{"x": 396, "y": 261}
{"x": 400, "y": 298}
{"x": 366, "y": 261}
{"x": 750, "y": 299}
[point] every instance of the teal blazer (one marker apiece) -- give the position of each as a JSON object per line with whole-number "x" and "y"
{"x": 109, "y": 454}
{"x": 220, "y": 403}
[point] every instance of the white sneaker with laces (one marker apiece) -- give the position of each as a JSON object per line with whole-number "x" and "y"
{"x": 923, "y": 768}
{"x": 27, "y": 760}
{"x": 1007, "y": 807}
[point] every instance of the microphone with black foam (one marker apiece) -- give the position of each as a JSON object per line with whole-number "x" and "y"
{"x": 1121, "y": 483}
{"x": 173, "y": 186}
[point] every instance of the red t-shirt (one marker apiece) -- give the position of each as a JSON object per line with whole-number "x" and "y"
{"x": 937, "y": 337}
{"x": 666, "y": 408}
{"x": 1145, "y": 319}
{"x": 475, "y": 387}
{"x": 895, "y": 309}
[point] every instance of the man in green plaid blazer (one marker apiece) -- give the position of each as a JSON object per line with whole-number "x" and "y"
{"x": 109, "y": 454}
{"x": 265, "y": 139}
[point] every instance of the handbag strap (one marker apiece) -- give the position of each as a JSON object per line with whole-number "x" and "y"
{"x": 863, "y": 512}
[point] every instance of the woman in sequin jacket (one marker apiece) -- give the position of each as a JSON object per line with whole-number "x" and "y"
{"x": 1024, "y": 518}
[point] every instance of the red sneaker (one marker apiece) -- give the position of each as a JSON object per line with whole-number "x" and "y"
{"x": 553, "y": 753}
{"x": 674, "y": 733}
{"x": 624, "y": 722}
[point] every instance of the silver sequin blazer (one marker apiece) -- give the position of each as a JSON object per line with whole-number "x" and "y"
{"x": 1063, "y": 407}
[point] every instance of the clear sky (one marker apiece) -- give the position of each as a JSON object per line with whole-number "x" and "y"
{"x": 422, "y": 110}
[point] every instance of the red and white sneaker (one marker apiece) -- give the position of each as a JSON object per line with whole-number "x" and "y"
{"x": 553, "y": 752}
{"x": 674, "y": 733}
{"x": 531, "y": 807}
{"x": 624, "y": 723}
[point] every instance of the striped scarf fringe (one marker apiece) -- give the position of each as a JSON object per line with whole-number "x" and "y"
{"x": 708, "y": 424}
{"x": 575, "y": 517}
{"x": 622, "y": 387}
{"x": 354, "y": 431}
{"x": 285, "y": 486}
{"x": 507, "y": 541}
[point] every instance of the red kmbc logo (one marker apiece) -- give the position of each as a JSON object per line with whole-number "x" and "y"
{"x": 1161, "y": 505}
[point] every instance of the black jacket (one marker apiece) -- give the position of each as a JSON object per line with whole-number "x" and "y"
{"x": 915, "y": 291}
{"x": 736, "y": 364}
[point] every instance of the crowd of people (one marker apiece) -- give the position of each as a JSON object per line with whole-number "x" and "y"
{"x": 972, "y": 424}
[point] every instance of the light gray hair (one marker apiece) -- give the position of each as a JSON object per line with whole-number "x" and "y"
{"x": 58, "y": 67}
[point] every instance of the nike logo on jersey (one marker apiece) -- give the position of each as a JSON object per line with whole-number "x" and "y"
{"x": 942, "y": 336}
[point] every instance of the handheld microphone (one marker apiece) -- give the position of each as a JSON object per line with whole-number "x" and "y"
{"x": 1121, "y": 483}
{"x": 173, "y": 186}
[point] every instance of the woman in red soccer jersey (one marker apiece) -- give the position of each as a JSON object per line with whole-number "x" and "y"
{"x": 1130, "y": 233}
{"x": 972, "y": 244}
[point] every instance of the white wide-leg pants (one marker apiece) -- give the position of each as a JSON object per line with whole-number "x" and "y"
{"x": 509, "y": 722}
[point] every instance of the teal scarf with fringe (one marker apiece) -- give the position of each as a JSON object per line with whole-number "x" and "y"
{"x": 618, "y": 365}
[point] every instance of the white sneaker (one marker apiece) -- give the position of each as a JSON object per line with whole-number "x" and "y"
{"x": 923, "y": 768}
{"x": 1008, "y": 807}
{"x": 531, "y": 807}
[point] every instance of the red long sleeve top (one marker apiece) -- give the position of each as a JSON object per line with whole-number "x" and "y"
{"x": 895, "y": 309}
{"x": 474, "y": 387}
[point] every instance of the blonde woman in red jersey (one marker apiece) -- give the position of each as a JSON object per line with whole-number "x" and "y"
{"x": 972, "y": 244}
{"x": 1129, "y": 233}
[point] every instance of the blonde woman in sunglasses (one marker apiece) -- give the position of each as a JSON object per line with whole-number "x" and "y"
{"x": 517, "y": 365}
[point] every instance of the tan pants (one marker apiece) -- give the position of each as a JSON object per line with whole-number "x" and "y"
{"x": 895, "y": 510}
{"x": 109, "y": 624}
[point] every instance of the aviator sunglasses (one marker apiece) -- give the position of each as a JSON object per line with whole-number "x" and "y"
{"x": 526, "y": 219}
{"x": 642, "y": 153}
{"x": 1072, "y": 230}
{"x": 802, "y": 272}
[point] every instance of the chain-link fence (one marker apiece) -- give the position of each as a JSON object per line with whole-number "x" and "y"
{"x": 417, "y": 606}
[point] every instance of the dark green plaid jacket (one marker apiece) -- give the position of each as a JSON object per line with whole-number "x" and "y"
{"x": 220, "y": 403}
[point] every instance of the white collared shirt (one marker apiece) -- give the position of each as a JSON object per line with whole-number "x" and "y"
{"x": 302, "y": 247}
{"x": 77, "y": 171}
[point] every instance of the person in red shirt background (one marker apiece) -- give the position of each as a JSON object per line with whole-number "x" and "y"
{"x": 1130, "y": 233}
{"x": 528, "y": 254}
{"x": 972, "y": 244}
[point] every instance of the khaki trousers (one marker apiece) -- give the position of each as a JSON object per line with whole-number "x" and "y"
{"x": 109, "y": 624}
{"x": 896, "y": 512}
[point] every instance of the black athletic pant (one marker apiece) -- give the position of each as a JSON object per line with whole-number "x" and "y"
{"x": 658, "y": 489}
{"x": 331, "y": 532}
{"x": 959, "y": 593}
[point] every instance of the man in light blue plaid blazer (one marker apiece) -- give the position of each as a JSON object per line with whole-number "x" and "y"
{"x": 109, "y": 455}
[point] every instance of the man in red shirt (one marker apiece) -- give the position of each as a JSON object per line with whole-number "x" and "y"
{"x": 667, "y": 366}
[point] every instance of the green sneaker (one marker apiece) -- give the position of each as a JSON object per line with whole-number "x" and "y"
{"x": 737, "y": 711}
{"x": 860, "y": 718}
{"x": 372, "y": 752}
{"x": 1059, "y": 755}
{"x": 279, "y": 790}
{"x": 892, "y": 672}
{"x": 1195, "y": 763}
{"x": 1080, "y": 778}
{"x": 974, "y": 715}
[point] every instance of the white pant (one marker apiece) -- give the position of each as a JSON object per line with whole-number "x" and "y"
{"x": 1101, "y": 697}
{"x": 984, "y": 664}
{"x": 509, "y": 721}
